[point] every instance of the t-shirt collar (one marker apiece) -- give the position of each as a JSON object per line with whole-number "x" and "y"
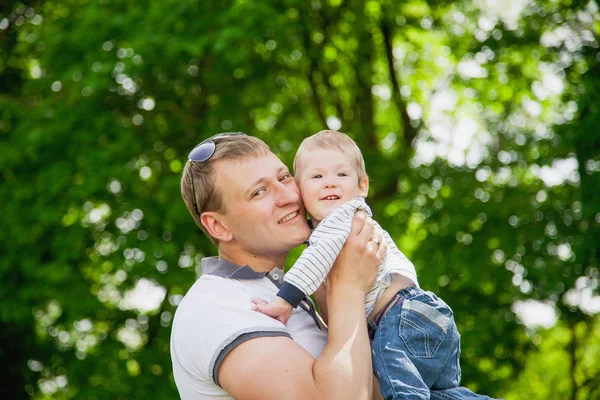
{"x": 226, "y": 269}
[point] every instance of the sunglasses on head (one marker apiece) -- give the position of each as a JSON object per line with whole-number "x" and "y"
{"x": 205, "y": 149}
{"x": 202, "y": 153}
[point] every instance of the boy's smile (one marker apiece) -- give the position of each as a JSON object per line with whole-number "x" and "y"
{"x": 327, "y": 180}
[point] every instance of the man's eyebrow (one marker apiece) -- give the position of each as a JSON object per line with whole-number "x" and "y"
{"x": 264, "y": 179}
{"x": 255, "y": 184}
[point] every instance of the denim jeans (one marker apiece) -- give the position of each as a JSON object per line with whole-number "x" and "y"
{"x": 416, "y": 350}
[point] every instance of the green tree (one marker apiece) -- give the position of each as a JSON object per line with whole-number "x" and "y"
{"x": 469, "y": 113}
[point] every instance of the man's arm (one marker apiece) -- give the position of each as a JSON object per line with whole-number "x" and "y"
{"x": 275, "y": 368}
{"x": 376, "y": 390}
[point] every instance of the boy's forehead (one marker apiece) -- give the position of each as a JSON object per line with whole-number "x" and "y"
{"x": 320, "y": 157}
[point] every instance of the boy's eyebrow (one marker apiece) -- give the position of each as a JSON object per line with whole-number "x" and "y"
{"x": 264, "y": 179}
{"x": 319, "y": 168}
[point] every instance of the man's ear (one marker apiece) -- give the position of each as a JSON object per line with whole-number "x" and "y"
{"x": 363, "y": 187}
{"x": 216, "y": 225}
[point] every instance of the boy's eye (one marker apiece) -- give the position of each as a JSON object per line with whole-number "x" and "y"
{"x": 318, "y": 176}
{"x": 342, "y": 174}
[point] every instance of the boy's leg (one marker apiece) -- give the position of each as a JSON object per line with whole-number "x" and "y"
{"x": 446, "y": 387}
{"x": 457, "y": 393}
{"x": 397, "y": 376}
{"x": 413, "y": 344}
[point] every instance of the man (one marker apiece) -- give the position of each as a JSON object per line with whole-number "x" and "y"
{"x": 244, "y": 198}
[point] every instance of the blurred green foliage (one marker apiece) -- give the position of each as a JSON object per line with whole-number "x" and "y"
{"x": 478, "y": 120}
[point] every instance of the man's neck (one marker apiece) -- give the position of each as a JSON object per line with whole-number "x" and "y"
{"x": 257, "y": 263}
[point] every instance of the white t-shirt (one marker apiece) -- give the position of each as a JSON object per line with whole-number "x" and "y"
{"x": 216, "y": 315}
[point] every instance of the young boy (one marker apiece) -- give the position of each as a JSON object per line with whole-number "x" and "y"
{"x": 415, "y": 343}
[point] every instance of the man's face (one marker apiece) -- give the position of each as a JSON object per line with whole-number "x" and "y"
{"x": 263, "y": 208}
{"x": 328, "y": 179}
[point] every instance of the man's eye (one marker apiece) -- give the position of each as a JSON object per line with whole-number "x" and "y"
{"x": 258, "y": 192}
{"x": 285, "y": 177}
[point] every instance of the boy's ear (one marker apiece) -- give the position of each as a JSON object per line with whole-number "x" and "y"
{"x": 363, "y": 187}
{"x": 216, "y": 225}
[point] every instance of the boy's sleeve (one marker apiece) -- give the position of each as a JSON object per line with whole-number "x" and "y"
{"x": 326, "y": 242}
{"x": 291, "y": 294}
{"x": 395, "y": 261}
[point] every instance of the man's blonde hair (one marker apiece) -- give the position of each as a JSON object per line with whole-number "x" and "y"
{"x": 208, "y": 196}
{"x": 333, "y": 140}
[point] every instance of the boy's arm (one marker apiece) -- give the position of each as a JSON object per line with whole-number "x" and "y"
{"x": 277, "y": 367}
{"x": 290, "y": 293}
{"x": 313, "y": 265}
{"x": 278, "y": 308}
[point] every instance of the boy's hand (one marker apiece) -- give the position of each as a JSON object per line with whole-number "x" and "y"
{"x": 279, "y": 309}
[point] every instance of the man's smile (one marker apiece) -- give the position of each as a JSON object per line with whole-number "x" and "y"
{"x": 287, "y": 217}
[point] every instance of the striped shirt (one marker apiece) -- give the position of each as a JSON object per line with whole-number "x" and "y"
{"x": 325, "y": 244}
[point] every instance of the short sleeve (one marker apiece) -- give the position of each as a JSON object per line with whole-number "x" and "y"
{"x": 211, "y": 321}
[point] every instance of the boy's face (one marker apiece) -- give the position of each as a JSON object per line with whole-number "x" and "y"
{"x": 327, "y": 180}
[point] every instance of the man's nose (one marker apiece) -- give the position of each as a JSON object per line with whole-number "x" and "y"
{"x": 286, "y": 194}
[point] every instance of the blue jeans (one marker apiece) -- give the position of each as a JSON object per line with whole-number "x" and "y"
{"x": 416, "y": 350}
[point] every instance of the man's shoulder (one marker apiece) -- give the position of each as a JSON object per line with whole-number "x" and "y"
{"x": 209, "y": 293}
{"x": 211, "y": 285}
{"x": 197, "y": 334}
{"x": 215, "y": 315}
{"x": 222, "y": 302}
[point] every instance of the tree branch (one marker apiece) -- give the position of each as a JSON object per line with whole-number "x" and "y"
{"x": 313, "y": 86}
{"x": 572, "y": 348}
{"x": 409, "y": 131}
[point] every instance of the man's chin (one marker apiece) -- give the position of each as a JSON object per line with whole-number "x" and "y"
{"x": 302, "y": 238}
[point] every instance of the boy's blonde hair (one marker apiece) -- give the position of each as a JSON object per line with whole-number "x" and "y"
{"x": 208, "y": 196}
{"x": 333, "y": 140}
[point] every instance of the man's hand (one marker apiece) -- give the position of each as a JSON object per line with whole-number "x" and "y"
{"x": 279, "y": 309}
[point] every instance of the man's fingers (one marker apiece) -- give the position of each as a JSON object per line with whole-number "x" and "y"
{"x": 358, "y": 222}
{"x": 372, "y": 246}
{"x": 382, "y": 250}
{"x": 362, "y": 226}
{"x": 377, "y": 245}
{"x": 366, "y": 230}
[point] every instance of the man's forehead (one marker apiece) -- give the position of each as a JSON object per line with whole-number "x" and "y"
{"x": 247, "y": 164}
{"x": 244, "y": 172}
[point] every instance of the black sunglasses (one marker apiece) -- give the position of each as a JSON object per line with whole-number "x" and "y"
{"x": 202, "y": 153}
